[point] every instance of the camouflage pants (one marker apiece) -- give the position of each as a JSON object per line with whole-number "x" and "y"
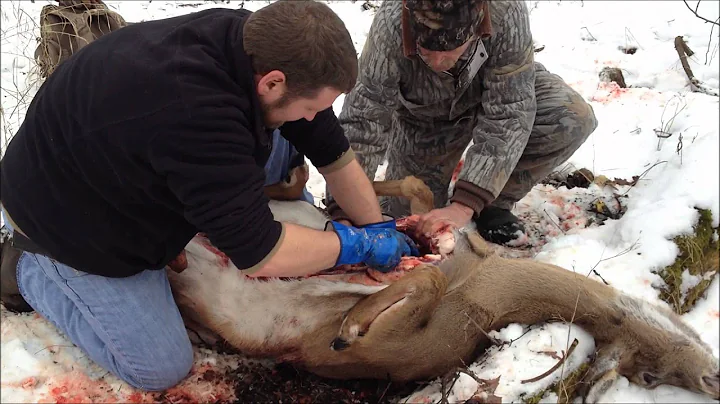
{"x": 562, "y": 124}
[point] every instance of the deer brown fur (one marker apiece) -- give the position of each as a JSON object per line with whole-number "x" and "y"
{"x": 344, "y": 331}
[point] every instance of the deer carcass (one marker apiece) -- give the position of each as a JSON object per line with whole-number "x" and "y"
{"x": 358, "y": 323}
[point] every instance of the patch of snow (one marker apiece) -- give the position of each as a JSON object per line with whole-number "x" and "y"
{"x": 704, "y": 316}
{"x": 529, "y": 353}
{"x": 689, "y": 281}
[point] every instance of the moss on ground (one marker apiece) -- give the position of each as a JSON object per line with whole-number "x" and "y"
{"x": 699, "y": 255}
{"x": 564, "y": 389}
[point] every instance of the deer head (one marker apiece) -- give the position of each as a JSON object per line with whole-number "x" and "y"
{"x": 654, "y": 347}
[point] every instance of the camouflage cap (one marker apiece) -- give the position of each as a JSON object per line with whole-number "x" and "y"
{"x": 443, "y": 25}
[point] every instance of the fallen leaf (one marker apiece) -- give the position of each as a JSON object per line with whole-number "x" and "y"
{"x": 601, "y": 180}
{"x": 620, "y": 181}
{"x": 599, "y": 207}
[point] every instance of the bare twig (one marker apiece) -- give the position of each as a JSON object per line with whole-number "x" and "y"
{"x": 623, "y": 252}
{"x": 54, "y": 346}
{"x": 710, "y": 38}
{"x": 641, "y": 176}
{"x": 592, "y": 37}
{"x": 493, "y": 340}
{"x": 521, "y": 335}
{"x": 455, "y": 375}
{"x": 553, "y": 222}
{"x": 600, "y": 276}
{"x": 698, "y": 15}
{"x": 444, "y": 390}
{"x": 666, "y": 128}
{"x": 465, "y": 370}
{"x": 629, "y": 35}
{"x": 554, "y": 368}
{"x": 679, "y": 148}
{"x": 714, "y": 53}
{"x": 385, "y": 391}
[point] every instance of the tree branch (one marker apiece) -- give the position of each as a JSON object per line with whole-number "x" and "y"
{"x": 683, "y": 52}
{"x": 698, "y": 15}
{"x": 557, "y": 365}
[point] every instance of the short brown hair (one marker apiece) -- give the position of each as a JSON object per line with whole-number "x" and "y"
{"x": 306, "y": 41}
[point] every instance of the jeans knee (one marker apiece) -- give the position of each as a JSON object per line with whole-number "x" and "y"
{"x": 168, "y": 371}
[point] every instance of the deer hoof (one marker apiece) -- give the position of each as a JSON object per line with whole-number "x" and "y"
{"x": 339, "y": 344}
{"x": 600, "y": 386}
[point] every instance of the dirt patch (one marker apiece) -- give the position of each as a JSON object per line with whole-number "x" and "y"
{"x": 287, "y": 384}
{"x": 267, "y": 381}
{"x": 699, "y": 257}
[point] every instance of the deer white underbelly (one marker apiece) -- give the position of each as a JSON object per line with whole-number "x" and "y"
{"x": 258, "y": 312}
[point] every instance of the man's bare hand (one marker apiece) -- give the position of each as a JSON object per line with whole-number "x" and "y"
{"x": 455, "y": 214}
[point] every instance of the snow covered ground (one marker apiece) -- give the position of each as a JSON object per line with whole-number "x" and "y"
{"x": 579, "y": 39}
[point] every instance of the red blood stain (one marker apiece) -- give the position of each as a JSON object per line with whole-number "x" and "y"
{"x": 28, "y": 382}
{"x": 457, "y": 170}
{"x": 204, "y": 384}
{"x": 25, "y": 384}
{"x": 77, "y": 387}
{"x": 224, "y": 260}
{"x": 608, "y": 92}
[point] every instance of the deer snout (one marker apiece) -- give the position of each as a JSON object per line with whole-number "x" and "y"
{"x": 339, "y": 344}
{"x": 711, "y": 385}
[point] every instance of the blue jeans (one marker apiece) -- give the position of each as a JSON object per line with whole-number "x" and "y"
{"x": 130, "y": 326}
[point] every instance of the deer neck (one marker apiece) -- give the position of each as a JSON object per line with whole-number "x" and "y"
{"x": 530, "y": 292}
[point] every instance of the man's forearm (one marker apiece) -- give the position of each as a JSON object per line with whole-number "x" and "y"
{"x": 302, "y": 251}
{"x": 353, "y": 192}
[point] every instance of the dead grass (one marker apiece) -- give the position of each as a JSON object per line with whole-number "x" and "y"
{"x": 18, "y": 39}
{"x": 699, "y": 256}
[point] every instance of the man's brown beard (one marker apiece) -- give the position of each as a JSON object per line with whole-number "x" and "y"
{"x": 268, "y": 108}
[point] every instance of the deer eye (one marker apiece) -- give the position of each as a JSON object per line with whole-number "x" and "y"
{"x": 648, "y": 378}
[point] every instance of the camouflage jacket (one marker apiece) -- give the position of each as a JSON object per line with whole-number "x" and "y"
{"x": 496, "y": 88}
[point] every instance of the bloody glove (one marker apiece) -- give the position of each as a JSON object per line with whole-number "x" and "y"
{"x": 378, "y": 245}
{"x": 387, "y": 223}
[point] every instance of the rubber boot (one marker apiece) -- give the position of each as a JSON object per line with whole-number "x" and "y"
{"x": 9, "y": 292}
{"x": 498, "y": 225}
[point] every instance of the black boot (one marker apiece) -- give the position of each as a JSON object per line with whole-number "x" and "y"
{"x": 9, "y": 292}
{"x": 498, "y": 225}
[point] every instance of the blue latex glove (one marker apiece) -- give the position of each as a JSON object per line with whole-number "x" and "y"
{"x": 378, "y": 245}
{"x": 385, "y": 224}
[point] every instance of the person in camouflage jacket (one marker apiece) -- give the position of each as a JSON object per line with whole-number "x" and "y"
{"x": 435, "y": 75}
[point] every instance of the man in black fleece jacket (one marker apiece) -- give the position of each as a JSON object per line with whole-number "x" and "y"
{"x": 158, "y": 131}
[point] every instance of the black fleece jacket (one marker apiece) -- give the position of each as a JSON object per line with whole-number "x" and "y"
{"x": 147, "y": 136}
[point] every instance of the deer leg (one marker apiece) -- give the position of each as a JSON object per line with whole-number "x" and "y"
{"x": 414, "y": 296}
{"x": 601, "y": 375}
{"x": 293, "y": 188}
{"x": 413, "y": 188}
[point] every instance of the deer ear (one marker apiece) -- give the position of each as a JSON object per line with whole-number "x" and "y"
{"x": 478, "y": 244}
